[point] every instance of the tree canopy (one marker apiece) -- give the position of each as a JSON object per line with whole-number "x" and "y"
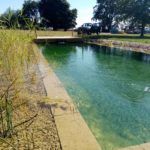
{"x": 137, "y": 12}
{"x": 58, "y": 13}
{"x": 133, "y": 11}
{"x": 106, "y": 11}
{"x": 9, "y": 19}
{"x": 30, "y": 10}
{"x": 43, "y": 13}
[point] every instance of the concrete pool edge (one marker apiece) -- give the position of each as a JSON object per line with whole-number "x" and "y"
{"x": 72, "y": 129}
{"x": 128, "y": 46}
{"x": 145, "y": 146}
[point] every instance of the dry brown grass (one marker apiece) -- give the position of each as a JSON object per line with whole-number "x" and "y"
{"x": 56, "y": 33}
{"x": 24, "y": 124}
{"x": 35, "y": 124}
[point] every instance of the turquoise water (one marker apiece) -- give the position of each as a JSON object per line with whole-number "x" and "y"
{"x": 111, "y": 88}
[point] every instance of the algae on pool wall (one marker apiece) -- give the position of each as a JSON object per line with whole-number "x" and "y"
{"x": 109, "y": 87}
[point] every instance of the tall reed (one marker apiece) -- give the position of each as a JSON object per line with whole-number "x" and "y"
{"x": 16, "y": 54}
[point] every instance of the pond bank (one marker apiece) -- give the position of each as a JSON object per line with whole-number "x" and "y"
{"x": 132, "y": 46}
{"x": 37, "y": 128}
{"x": 73, "y": 131}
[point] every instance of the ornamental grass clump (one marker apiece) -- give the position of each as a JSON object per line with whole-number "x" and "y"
{"x": 16, "y": 55}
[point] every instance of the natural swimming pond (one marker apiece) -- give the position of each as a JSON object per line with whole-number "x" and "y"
{"x": 111, "y": 88}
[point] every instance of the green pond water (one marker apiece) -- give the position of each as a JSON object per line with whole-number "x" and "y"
{"x": 111, "y": 89}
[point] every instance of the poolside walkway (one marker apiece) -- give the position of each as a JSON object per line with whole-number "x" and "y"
{"x": 73, "y": 131}
{"x": 54, "y": 39}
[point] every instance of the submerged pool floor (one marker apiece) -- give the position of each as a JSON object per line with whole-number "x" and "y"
{"x": 111, "y": 89}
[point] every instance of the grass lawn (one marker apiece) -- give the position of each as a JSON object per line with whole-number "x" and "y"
{"x": 119, "y": 37}
{"x": 56, "y": 33}
{"x": 124, "y": 37}
{"x": 44, "y": 32}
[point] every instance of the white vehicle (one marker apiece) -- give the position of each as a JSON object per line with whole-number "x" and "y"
{"x": 147, "y": 29}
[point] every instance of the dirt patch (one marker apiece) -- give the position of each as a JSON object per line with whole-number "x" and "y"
{"x": 34, "y": 123}
{"x": 137, "y": 47}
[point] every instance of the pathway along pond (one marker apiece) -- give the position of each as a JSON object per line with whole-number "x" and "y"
{"x": 111, "y": 88}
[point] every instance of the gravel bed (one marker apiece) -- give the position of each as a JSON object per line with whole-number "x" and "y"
{"x": 38, "y": 130}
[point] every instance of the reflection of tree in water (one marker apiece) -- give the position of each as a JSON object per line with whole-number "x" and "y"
{"x": 118, "y": 63}
{"x": 123, "y": 53}
{"x": 58, "y": 54}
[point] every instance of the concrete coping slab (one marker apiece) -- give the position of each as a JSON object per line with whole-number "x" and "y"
{"x": 72, "y": 129}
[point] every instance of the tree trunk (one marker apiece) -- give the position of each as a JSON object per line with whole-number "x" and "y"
{"x": 109, "y": 26}
{"x": 103, "y": 28}
{"x": 142, "y": 30}
{"x": 55, "y": 28}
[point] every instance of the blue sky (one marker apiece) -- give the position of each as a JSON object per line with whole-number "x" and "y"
{"x": 85, "y": 8}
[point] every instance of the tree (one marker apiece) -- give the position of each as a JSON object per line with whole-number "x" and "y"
{"x": 106, "y": 11}
{"x": 137, "y": 12}
{"x": 70, "y": 20}
{"x": 57, "y": 14}
{"x": 23, "y": 19}
{"x": 30, "y": 12}
{"x": 9, "y": 19}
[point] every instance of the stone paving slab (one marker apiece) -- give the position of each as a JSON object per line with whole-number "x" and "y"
{"x": 72, "y": 129}
{"x": 57, "y": 39}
